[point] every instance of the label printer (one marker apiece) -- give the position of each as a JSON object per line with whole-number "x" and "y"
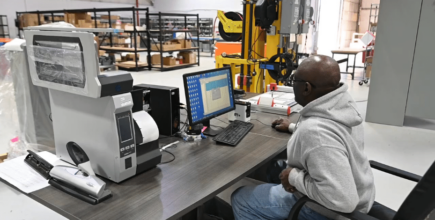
{"x": 91, "y": 109}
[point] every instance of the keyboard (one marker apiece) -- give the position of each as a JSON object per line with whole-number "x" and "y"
{"x": 233, "y": 133}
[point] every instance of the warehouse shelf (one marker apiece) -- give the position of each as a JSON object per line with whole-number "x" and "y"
{"x": 159, "y": 31}
{"x": 139, "y": 40}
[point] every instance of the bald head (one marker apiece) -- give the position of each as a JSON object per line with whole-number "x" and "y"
{"x": 315, "y": 77}
{"x": 322, "y": 71}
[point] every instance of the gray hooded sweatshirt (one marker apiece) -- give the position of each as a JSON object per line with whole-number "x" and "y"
{"x": 327, "y": 154}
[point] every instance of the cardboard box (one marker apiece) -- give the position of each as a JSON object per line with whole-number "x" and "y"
{"x": 177, "y": 44}
{"x": 187, "y": 43}
{"x": 3, "y": 157}
{"x": 124, "y": 25}
{"x": 79, "y": 19}
{"x": 169, "y": 61}
{"x": 27, "y": 20}
{"x": 55, "y": 18}
{"x": 183, "y": 43}
{"x": 369, "y": 71}
{"x": 130, "y": 56}
{"x": 112, "y": 17}
{"x": 101, "y": 53}
{"x": 155, "y": 59}
{"x": 165, "y": 46}
{"x": 188, "y": 57}
{"x": 130, "y": 28}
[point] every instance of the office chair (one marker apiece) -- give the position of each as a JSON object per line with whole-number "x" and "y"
{"x": 417, "y": 206}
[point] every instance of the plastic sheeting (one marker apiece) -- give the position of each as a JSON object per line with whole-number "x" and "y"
{"x": 24, "y": 108}
{"x": 62, "y": 65}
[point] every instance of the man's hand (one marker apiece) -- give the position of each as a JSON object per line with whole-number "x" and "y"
{"x": 284, "y": 181}
{"x": 281, "y": 125}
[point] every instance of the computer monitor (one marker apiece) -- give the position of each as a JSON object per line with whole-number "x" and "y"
{"x": 208, "y": 94}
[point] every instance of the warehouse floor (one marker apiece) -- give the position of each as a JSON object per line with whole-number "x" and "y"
{"x": 409, "y": 148}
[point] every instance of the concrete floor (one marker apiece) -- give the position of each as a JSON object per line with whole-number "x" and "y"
{"x": 410, "y": 148}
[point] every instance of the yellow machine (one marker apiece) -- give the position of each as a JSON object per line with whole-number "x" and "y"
{"x": 263, "y": 21}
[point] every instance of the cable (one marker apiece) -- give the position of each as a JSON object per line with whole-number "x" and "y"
{"x": 251, "y": 50}
{"x": 173, "y": 157}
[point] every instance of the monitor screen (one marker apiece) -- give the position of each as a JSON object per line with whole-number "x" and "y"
{"x": 209, "y": 94}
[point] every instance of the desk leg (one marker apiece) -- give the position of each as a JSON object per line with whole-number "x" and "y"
{"x": 354, "y": 62}
{"x": 347, "y": 63}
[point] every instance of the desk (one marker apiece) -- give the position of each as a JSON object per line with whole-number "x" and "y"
{"x": 348, "y": 52}
{"x": 200, "y": 171}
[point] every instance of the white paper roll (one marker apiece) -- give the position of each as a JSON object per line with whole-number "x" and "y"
{"x": 147, "y": 126}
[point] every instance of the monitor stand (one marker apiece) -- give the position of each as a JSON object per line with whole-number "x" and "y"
{"x": 210, "y": 131}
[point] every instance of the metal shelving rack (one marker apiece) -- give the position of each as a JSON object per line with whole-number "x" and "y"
{"x": 134, "y": 12}
{"x": 159, "y": 30}
{"x": 206, "y": 27}
{"x": 4, "y": 28}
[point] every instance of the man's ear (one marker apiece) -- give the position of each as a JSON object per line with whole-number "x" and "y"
{"x": 308, "y": 89}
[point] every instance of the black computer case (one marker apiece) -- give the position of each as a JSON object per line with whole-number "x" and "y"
{"x": 164, "y": 105}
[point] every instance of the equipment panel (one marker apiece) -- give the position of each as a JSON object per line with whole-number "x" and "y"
{"x": 124, "y": 123}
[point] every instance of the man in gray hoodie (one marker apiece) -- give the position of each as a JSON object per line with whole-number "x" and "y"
{"x": 326, "y": 159}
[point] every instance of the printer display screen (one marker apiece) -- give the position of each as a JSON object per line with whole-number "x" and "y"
{"x": 125, "y": 129}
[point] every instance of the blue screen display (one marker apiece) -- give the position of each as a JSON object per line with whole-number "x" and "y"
{"x": 210, "y": 94}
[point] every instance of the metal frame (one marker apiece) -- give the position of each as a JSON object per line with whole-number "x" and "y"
{"x": 4, "y": 26}
{"x": 133, "y": 33}
{"x": 161, "y": 33}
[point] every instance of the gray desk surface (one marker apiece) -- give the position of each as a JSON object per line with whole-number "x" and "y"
{"x": 200, "y": 171}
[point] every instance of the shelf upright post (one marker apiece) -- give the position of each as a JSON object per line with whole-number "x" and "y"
{"x": 95, "y": 18}
{"x": 39, "y": 18}
{"x": 148, "y": 38}
{"x": 161, "y": 39}
{"x": 110, "y": 26}
{"x": 197, "y": 36}
{"x": 134, "y": 37}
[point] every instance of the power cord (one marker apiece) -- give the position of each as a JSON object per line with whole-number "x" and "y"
{"x": 173, "y": 157}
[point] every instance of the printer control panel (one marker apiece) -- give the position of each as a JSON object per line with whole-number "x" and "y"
{"x": 124, "y": 123}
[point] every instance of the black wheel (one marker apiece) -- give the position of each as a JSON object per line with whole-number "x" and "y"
{"x": 360, "y": 83}
{"x": 231, "y": 36}
{"x": 366, "y": 81}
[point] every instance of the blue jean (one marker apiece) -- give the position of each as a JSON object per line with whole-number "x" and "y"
{"x": 267, "y": 201}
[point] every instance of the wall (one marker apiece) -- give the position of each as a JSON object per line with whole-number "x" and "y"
{"x": 349, "y": 20}
{"x": 205, "y": 8}
{"x": 364, "y": 14}
{"x": 33, "y": 5}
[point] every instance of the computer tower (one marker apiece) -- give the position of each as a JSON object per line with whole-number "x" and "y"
{"x": 164, "y": 106}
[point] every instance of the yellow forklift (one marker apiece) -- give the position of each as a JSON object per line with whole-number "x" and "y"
{"x": 280, "y": 23}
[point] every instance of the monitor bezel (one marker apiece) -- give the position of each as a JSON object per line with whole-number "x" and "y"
{"x": 186, "y": 93}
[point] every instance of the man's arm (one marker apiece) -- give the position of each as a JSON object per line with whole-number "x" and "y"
{"x": 329, "y": 179}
